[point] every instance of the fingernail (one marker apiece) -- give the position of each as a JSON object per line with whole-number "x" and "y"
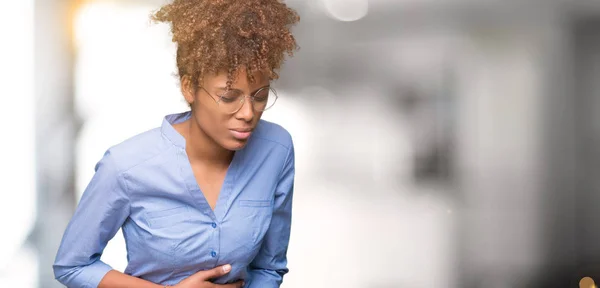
{"x": 227, "y": 268}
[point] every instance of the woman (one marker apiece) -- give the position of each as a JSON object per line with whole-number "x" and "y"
{"x": 204, "y": 200}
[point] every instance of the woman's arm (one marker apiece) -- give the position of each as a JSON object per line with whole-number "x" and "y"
{"x": 270, "y": 265}
{"x": 102, "y": 210}
{"x": 116, "y": 279}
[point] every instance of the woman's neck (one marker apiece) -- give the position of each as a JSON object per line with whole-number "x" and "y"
{"x": 200, "y": 148}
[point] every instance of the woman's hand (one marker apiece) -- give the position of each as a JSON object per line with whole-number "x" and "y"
{"x": 201, "y": 279}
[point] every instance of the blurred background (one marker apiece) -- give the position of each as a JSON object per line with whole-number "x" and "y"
{"x": 439, "y": 143}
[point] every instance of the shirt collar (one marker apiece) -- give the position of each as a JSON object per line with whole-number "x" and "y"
{"x": 170, "y": 132}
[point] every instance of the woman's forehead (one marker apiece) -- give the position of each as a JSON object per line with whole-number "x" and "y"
{"x": 239, "y": 81}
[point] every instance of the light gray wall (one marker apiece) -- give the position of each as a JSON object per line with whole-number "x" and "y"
{"x": 55, "y": 129}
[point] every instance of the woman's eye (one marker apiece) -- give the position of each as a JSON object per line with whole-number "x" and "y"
{"x": 230, "y": 97}
{"x": 262, "y": 96}
{"x": 227, "y": 99}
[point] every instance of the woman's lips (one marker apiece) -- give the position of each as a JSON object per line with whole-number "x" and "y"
{"x": 241, "y": 134}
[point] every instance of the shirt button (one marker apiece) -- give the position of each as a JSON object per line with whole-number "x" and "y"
{"x": 213, "y": 254}
{"x": 214, "y": 225}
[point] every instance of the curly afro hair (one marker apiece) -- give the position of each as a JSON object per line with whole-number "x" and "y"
{"x": 213, "y": 36}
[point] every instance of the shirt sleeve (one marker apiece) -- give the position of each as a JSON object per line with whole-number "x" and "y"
{"x": 100, "y": 213}
{"x": 270, "y": 265}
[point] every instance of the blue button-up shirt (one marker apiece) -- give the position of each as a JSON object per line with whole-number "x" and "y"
{"x": 146, "y": 186}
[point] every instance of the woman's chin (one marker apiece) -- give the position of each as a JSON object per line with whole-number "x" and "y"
{"x": 235, "y": 144}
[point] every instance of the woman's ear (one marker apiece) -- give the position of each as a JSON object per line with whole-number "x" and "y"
{"x": 187, "y": 90}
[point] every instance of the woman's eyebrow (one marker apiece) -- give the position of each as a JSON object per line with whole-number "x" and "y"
{"x": 225, "y": 89}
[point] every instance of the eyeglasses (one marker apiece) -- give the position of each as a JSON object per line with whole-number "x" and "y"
{"x": 231, "y": 101}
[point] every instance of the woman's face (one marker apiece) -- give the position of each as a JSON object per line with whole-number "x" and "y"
{"x": 228, "y": 129}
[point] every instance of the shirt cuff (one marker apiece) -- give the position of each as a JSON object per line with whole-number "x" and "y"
{"x": 264, "y": 279}
{"x": 95, "y": 272}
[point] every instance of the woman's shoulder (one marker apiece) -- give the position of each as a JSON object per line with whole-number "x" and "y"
{"x": 273, "y": 132}
{"x": 137, "y": 149}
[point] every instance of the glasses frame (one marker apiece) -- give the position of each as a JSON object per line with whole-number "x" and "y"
{"x": 243, "y": 100}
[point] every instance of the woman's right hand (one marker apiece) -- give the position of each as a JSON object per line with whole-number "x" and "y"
{"x": 201, "y": 279}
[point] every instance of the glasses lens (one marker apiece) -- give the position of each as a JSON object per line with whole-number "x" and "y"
{"x": 264, "y": 99}
{"x": 231, "y": 100}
